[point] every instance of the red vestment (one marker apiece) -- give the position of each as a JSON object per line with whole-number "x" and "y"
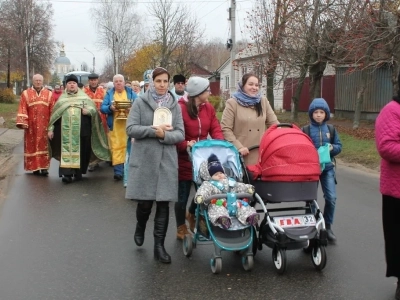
{"x": 56, "y": 96}
{"x": 97, "y": 97}
{"x": 33, "y": 116}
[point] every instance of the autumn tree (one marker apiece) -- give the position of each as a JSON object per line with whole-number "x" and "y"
{"x": 118, "y": 29}
{"x": 147, "y": 57}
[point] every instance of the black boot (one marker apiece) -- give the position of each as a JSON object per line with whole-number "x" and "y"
{"x": 331, "y": 235}
{"x": 160, "y": 230}
{"x": 143, "y": 211}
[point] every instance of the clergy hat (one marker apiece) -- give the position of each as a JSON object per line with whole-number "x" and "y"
{"x": 71, "y": 77}
{"x": 93, "y": 76}
{"x": 179, "y": 78}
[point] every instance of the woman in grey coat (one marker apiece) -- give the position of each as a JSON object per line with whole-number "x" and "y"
{"x": 153, "y": 165}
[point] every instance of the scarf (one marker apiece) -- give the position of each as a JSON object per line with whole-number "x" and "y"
{"x": 244, "y": 99}
{"x": 161, "y": 100}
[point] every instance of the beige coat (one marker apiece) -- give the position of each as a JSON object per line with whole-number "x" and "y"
{"x": 241, "y": 126}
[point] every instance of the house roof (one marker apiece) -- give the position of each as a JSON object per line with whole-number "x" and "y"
{"x": 224, "y": 64}
{"x": 199, "y": 70}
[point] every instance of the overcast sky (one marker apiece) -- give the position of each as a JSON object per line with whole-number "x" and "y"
{"x": 74, "y": 27}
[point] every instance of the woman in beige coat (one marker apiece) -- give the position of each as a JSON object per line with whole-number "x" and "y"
{"x": 246, "y": 116}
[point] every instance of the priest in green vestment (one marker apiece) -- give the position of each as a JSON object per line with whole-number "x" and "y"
{"x": 75, "y": 132}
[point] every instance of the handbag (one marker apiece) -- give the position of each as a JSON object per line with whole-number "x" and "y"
{"x": 324, "y": 155}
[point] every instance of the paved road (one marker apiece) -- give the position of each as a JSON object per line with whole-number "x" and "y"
{"x": 76, "y": 242}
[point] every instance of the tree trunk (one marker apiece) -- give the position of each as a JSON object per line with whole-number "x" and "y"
{"x": 316, "y": 74}
{"x": 8, "y": 68}
{"x": 360, "y": 99}
{"x": 297, "y": 94}
{"x": 270, "y": 88}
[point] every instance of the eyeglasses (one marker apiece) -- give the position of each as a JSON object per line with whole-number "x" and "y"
{"x": 181, "y": 83}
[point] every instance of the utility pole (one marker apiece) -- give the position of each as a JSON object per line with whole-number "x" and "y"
{"x": 232, "y": 18}
{"x": 27, "y": 64}
{"x": 94, "y": 59}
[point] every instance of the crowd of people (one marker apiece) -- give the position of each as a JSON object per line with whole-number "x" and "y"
{"x": 83, "y": 126}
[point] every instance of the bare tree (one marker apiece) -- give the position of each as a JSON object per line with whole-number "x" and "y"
{"x": 267, "y": 25}
{"x": 118, "y": 29}
{"x": 370, "y": 41}
{"x": 29, "y": 26}
{"x": 175, "y": 28}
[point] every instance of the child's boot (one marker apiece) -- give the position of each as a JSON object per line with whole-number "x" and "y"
{"x": 225, "y": 222}
{"x": 253, "y": 219}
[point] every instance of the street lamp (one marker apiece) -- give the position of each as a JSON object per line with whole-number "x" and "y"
{"x": 94, "y": 59}
{"x": 116, "y": 44}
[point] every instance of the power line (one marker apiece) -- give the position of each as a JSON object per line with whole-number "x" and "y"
{"x": 121, "y": 1}
{"x": 212, "y": 10}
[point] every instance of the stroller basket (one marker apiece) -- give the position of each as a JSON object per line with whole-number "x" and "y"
{"x": 278, "y": 191}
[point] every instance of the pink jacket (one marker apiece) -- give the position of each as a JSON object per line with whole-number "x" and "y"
{"x": 387, "y": 138}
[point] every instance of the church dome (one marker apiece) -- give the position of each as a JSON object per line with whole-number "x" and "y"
{"x": 62, "y": 59}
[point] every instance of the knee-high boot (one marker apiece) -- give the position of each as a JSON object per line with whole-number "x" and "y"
{"x": 143, "y": 211}
{"x": 160, "y": 230}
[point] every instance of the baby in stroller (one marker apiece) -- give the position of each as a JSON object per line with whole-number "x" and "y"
{"x": 216, "y": 182}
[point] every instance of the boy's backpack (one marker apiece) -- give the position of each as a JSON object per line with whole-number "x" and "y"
{"x": 306, "y": 130}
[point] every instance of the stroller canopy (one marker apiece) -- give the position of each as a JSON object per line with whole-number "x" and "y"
{"x": 286, "y": 154}
{"x": 226, "y": 153}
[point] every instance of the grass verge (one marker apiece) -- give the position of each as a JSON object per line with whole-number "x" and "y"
{"x": 9, "y": 112}
{"x": 358, "y": 146}
{"x": 358, "y": 151}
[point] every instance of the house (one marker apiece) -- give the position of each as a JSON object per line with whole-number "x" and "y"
{"x": 249, "y": 60}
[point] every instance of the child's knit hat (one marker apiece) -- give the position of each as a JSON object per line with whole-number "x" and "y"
{"x": 214, "y": 165}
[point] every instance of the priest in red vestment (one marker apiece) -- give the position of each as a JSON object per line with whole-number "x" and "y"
{"x": 96, "y": 93}
{"x": 33, "y": 116}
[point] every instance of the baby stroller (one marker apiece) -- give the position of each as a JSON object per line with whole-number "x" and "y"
{"x": 238, "y": 237}
{"x": 288, "y": 171}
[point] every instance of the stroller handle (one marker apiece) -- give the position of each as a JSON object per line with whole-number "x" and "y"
{"x": 224, "y": 196}
{"x": 284, "y": 125}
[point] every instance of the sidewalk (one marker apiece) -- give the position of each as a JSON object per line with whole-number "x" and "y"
{"x": 9, "y": 139}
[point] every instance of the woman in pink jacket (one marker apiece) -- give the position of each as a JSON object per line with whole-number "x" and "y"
{"x": 387, "y": 137}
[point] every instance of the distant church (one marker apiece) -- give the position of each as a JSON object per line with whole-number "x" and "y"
{"x": 62, "y": 64}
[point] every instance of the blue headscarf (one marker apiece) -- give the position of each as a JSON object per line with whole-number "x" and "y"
{"x": 244, "y": 99}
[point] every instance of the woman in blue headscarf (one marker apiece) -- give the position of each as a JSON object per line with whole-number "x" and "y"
{"x": 246, "y": 116}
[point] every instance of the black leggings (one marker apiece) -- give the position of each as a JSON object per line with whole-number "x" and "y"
{"x": 391, "y": 232}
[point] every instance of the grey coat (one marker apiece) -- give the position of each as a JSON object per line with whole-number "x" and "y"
{"x": 153, "y": 163}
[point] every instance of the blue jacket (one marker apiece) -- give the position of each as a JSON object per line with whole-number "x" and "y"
{"x": 107, "y": 101}
{"x": 319, "y": 133}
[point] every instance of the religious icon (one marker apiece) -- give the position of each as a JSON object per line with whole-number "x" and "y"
{"x": 162, "y": 115}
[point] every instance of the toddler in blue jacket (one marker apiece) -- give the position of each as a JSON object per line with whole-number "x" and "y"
{"x": 320, "y": 135}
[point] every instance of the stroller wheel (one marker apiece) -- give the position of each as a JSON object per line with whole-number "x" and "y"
{"x": 310, "y": 246}
{"x": 318, "y": 257}
{"x": 216, "y": 265}
{"x": 247, "y": 262}
{"x": 279, "y": 259}
{"x": 187, "y": 245}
